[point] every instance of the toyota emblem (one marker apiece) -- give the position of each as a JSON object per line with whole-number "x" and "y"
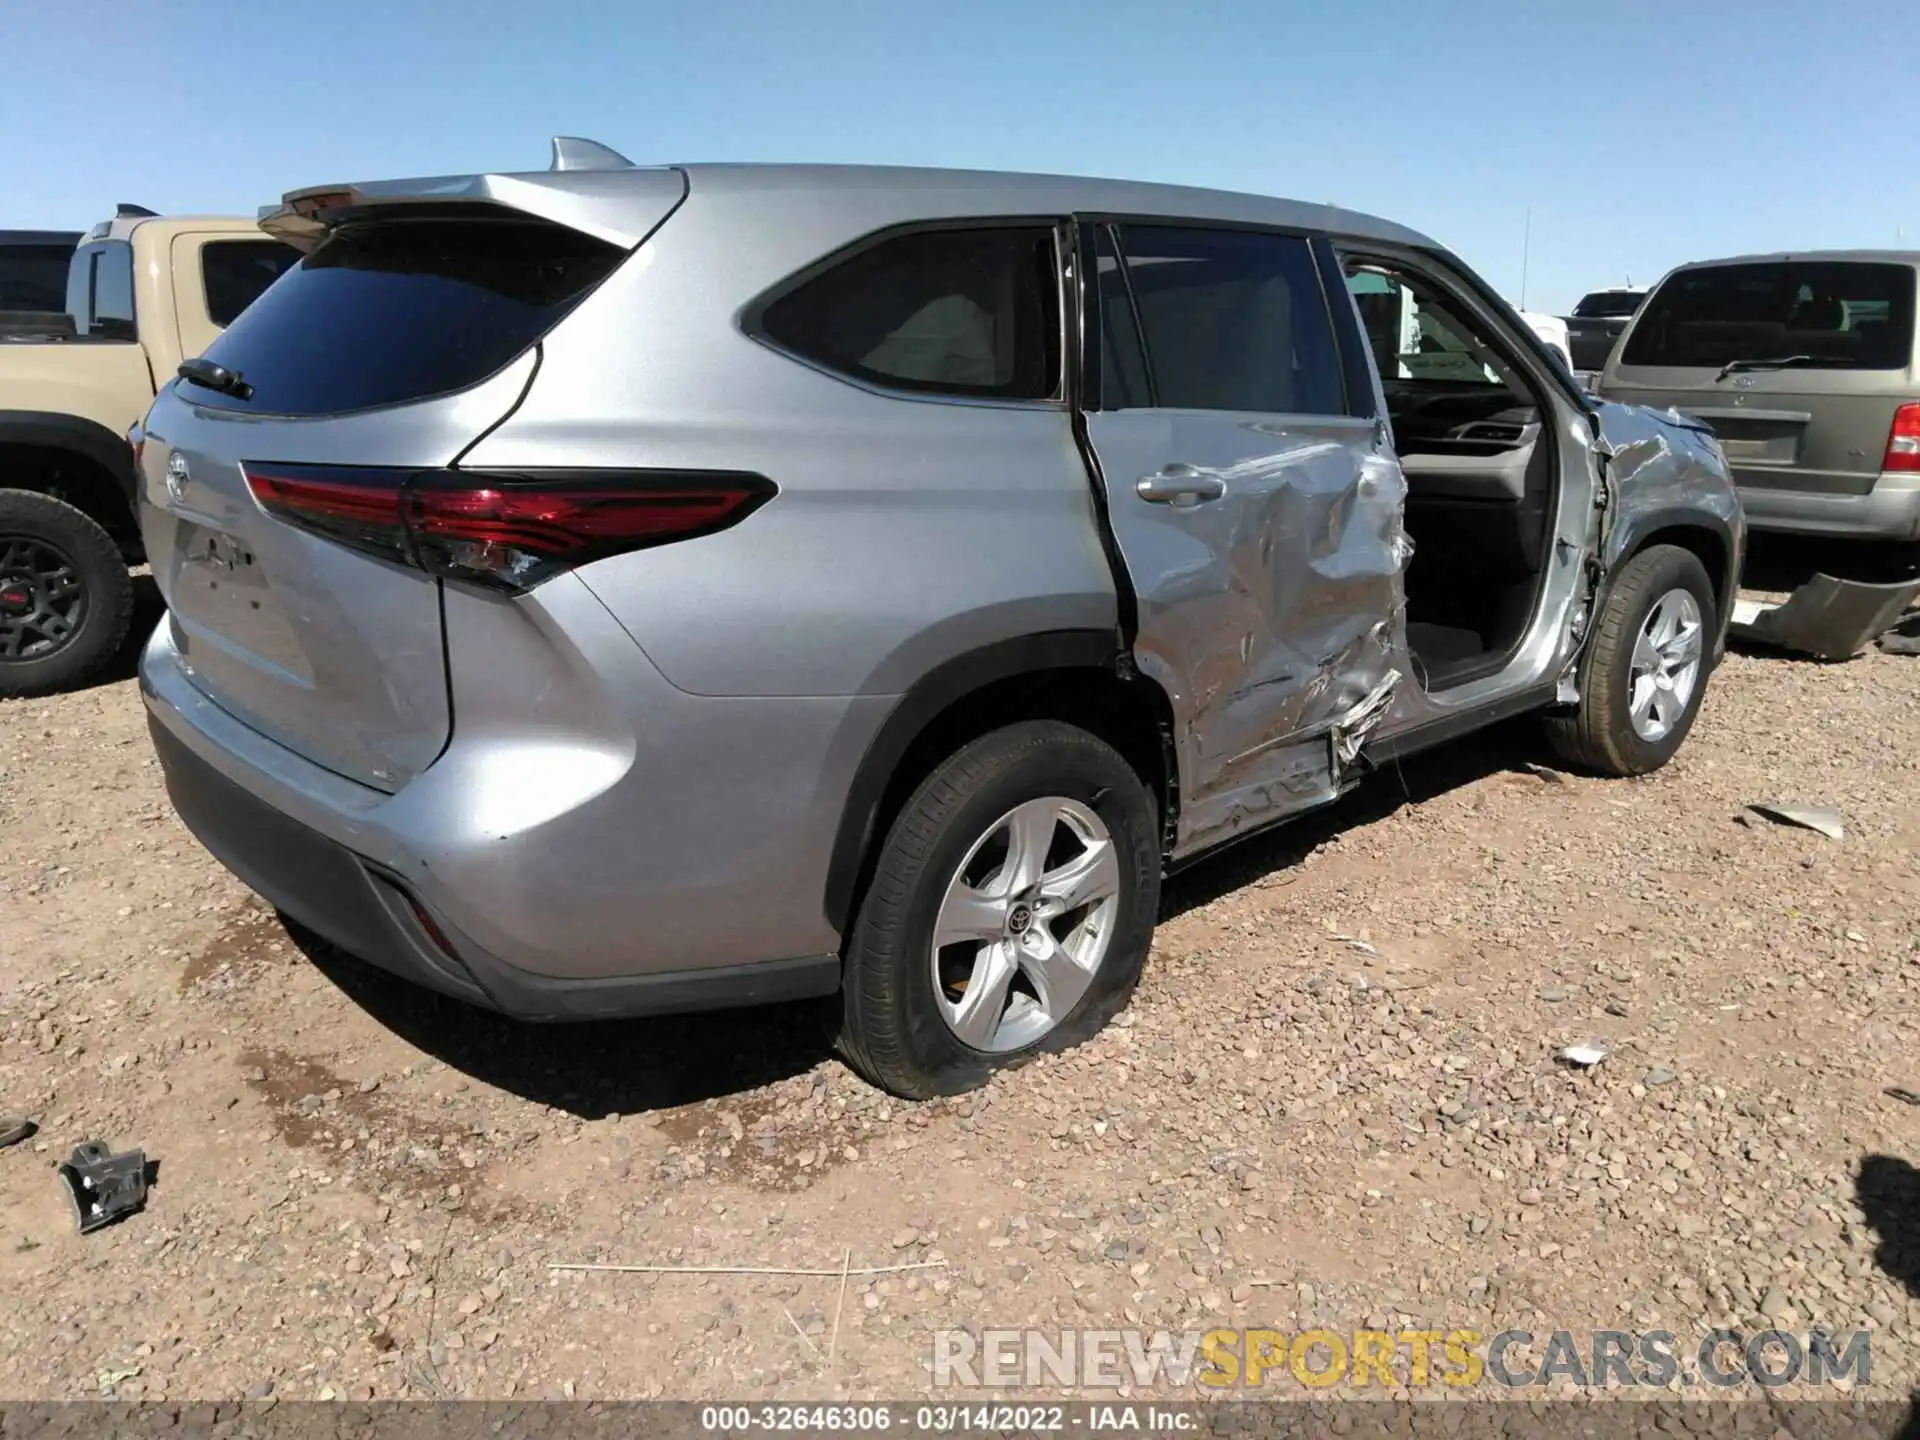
{"x": 178, "y": 476}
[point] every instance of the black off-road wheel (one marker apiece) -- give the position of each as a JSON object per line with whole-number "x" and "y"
{"x": 1010, "y": 911}
{"x": 1646, "y": 667}
{"x": 66, "y": 599}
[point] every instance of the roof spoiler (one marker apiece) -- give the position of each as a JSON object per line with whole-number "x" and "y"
{"x": 588, "y": 187}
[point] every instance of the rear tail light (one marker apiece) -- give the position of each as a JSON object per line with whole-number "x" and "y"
{"x": 508, "y": 531}
{"x": 1903, "y": 442}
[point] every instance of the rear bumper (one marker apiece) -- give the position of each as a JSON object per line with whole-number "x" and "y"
{"x": 369, "y": 913}
{"x": 1890, "y": 511}
{"x": 363, "y": 870}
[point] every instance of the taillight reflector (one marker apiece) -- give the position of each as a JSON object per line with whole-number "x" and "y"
{"x": 509, "y": 531}
{"x": 359, "y": 508}
{"x": 1903, "y": 441}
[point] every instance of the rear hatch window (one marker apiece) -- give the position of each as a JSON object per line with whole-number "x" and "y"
{"x": 1607, "y": 305}
{"x": 403, "y": 309}
{"x": 1836, "y": 314}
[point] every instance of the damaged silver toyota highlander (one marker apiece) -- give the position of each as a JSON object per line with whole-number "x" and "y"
{"x": 614, "y": 590}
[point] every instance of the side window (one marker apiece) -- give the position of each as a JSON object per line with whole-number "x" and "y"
{"x": 968, "y": 312}
{"x": 1231, "y": 320}
{"x": 1419, "y": 334}
{"x": 113, "y": 293}
{"x": 80, "y": 287}
{"x": 234, "y": 272}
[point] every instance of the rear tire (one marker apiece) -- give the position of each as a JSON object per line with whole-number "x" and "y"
{"x": 66, "y": 599}
{"x": 1609, "y": 734}
{"x": 952, "y": 863}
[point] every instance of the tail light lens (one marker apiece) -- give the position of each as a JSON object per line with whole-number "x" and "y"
{"x": 508, "y": 531}
{"x": 1903, "y": 442}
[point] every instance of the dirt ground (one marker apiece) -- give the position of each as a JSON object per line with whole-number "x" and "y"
{"x": 1333, "y": 1101}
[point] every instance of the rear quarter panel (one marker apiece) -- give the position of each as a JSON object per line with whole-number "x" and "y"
{"x": 906, "y": 531}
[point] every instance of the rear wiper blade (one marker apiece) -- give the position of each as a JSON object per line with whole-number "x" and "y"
{"x": 1778, "y": 362}
{"x": 202, "y": 371}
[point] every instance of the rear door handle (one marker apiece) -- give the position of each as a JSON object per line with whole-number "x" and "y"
{"x": 1180, "y": 484}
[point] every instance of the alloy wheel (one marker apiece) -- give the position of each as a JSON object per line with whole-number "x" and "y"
{"x": 42, "y": 599}
{"x": 1665, "y": 669}
{"x": 1024, "y": 923}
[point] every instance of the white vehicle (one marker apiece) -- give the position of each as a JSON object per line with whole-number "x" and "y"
{"x": 1552, "y": 331}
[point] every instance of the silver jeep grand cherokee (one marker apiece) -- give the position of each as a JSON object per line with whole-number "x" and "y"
{"x": 616, "y": 590}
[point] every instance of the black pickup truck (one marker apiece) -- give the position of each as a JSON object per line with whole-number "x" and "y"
{"x": 1596, "y": 322}
{"x": 33, "y": 276}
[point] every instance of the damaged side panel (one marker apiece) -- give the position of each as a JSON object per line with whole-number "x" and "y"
{"x": 1270, "y": 595}
{"x": 1663, "y": 471}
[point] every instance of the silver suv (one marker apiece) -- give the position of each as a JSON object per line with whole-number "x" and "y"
{"x": 615, "y": 590}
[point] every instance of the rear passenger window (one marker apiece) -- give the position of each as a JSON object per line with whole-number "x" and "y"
{"x": 234, "y": 272}
{"x": 1232, "y": 320}
{"x": 971, "y": 312}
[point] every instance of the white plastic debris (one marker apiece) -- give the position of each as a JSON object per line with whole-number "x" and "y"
{"x": 1591, "y": 1053}
{"x": 1807, "y": 817}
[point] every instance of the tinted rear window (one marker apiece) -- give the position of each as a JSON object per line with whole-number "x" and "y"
{"x": 385, "y": 312}
{"x": 972, "y": 313}
{"x": 1608, "y": 304}
{"x": 1843, "y": 314}
{"x": 235, "y": 272}
{"x": 34, "y": 277}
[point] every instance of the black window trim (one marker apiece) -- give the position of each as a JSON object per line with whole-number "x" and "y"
{"x": 752, "y": 315}
{"x": 1111, "y": 220}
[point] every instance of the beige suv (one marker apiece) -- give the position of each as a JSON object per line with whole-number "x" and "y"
{"x": 143, "y": 294}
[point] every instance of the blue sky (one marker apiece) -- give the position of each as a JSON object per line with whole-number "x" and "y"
{"x": 1640, "y": 135}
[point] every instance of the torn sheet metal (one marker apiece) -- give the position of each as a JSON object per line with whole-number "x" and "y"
{"x": 1827, "y": 618}
{"x": 1350, "y": 730}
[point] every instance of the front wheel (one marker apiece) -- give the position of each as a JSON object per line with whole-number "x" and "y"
{"x": 1009, "y": 914}
{"x": 1645, "y": 669}
{"x": 66, "y": 599}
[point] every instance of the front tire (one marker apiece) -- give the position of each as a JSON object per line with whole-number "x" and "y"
{"x": 1645, "y": 670}
{"x": 66, "y": 599}
{"x": 1010, "y": 911}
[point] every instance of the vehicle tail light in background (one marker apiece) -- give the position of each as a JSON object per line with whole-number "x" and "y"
{"x": 1903, "y": 441}
{"x": 506, "y": 530}
{"x": 137, "y": 438}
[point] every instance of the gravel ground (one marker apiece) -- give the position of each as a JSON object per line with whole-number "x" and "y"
{"x": 1333, "y": 1101}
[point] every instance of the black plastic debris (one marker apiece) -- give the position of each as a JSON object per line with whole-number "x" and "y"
{"x": 14, "y": 1129}
{"x": 104, "y": 1186}
{"x": 1827, "y": 618}
{"x": 1904, "y": 638}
